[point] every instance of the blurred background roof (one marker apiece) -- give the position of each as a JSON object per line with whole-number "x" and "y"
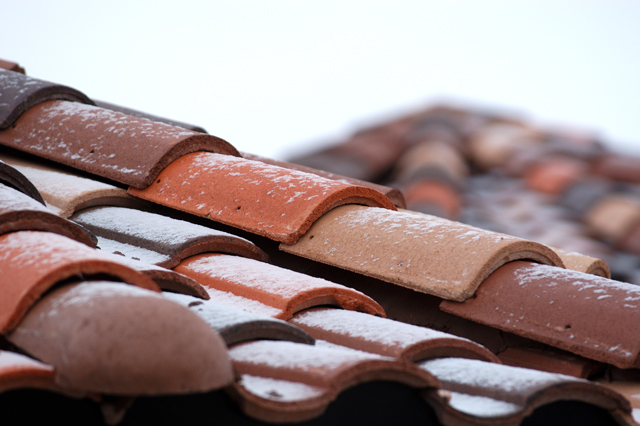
{"x": 278, "y": 78}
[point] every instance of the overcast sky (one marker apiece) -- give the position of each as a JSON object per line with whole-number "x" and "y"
{"x": 279, "y": 77}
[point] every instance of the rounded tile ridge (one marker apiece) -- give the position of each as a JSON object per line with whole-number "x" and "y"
{"x": 113, "y": 338}
{"x": 32, "y": 262}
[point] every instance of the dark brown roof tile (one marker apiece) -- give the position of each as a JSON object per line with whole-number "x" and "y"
{"x": 11, "y": 66}
{"x": 12, "y": 177}
{"x": 110, "y": 144}
{"x": 266, "y": 200}
{"x": 18, "y": 93}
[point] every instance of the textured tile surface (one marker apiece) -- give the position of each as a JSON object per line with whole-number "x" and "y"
{"x": 110, "y": 144}
{"x": 266, "y": 200}
{"x": 431, "y": 255}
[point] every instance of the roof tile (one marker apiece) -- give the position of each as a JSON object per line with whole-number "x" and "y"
{"x": 289, "y": 382}
{"x": 485, "y": 393}
{"x": 110, "y": 144}
{"x": 427, "y": 251}
{"x": 10, "y": 176}
{"x": 20, "y": 93}
{"x": 113, "y": 338}
{"x": 32, "y": 262}
{"x": 20, "y": 212}
{"x": 266, "y": 200}
{"x": 158, "y": 239}
{"x": 590, "y": 316}
{"x": 386, "y": 337}
{"x": 64, "y": 192}
{"x": 285, "y": 291}
{"x": 236, "y": 326}
{"x": 18, "y": 371}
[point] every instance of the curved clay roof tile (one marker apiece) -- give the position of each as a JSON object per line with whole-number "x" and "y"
{"x": 491, "y": 394}
{"x": 110, "y": 144}
{"x": 386, "y": 337}
{"x": 425, "y": 253}
{"x": 267, "y": 200}
{"x": 112, "y": 338}
{"x": 12, "y": 177}
{"x": 32, "y": 262}
{"x": 158, "y": 239}
{"x": 18, "y": 371}
{"x": 19, "y": 212}
{"x": 284, "y": 291}
{"x": 290, "y": 382}
{"x": 20, "y": 93}
{"x": 236, "y": 326}
{"x": 581, "y": 313}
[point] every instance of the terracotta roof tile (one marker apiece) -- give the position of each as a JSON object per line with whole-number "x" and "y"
{"x": 65, "y": 192}
{"x": 590, "y": 315}
{"x": 281, "y": 291}
{"x": 140, "y": 114}
{"x": 583, "y": 263}
{"x": 18, "y": 371}
{"x": 434, "y": 154}
{"x": 20, "y": 212}
{"x": 20, "y": 93}
{"x": 158, "y": 239}
{"x": 10, "y": 176}
{"x": 484, "y": 393}
{"x": 385, "y": 337}
{"x": 266, "y": 200}
{"x": 166, "y": 279}
{"x": 110, "y": 144}
{"x": 427, "y": 250}
{"x": 113, "y": 338}
{"x": 236, "y": 326}
{"x": 613, "y": 216}
{"x": 32, "y": 262}
{"x": 394, "y": 194}
{"x": 290, "y": 382}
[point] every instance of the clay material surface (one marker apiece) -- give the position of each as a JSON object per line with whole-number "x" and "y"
{"x": 425, "y": 253}
{"x": 19, "y": 212}
{"x": 32, "y": 262}
{"x": 386, "y": 337}
{"x": 110, "y": 144}
{"x": 285, "y": 291}
{"x": 64, "y": 192}
{"x": 394, "y": 194}
{"x": 158, "y": 239}
{"x": 287, "y": 382}
{"x": 266, "y": 200}
{"x": 20, "y": 92}
{"x": 140, "y": 114}
{"x": 581, "y": 313}
{"x": 113, "y": 338}
{"x": 236, "y": 326}
{"x": 583, "y": 263}
{"x": 13, "y": 178}
{"x": 11, "y": 66}
{"x": 484, "y": 393}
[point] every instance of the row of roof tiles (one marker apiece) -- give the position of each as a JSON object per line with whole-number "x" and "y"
{"x": 54, "y": 299}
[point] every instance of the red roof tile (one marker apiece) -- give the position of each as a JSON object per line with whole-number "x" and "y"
{"x": 266, "y": 200}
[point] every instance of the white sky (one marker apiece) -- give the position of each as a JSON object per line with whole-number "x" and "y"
{"x": 278, "y": 77}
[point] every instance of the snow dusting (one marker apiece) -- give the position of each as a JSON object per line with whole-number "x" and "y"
{"x": 279, "y": 390}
